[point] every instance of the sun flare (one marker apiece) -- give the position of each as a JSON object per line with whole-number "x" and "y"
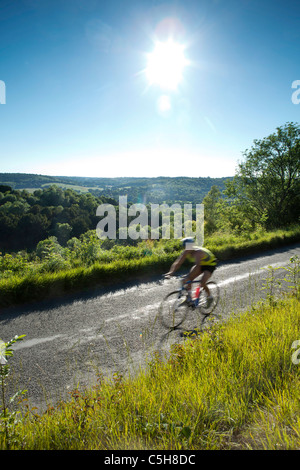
{"x": 165, "y": 65}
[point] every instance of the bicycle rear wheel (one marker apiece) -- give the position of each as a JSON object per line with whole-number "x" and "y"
{"x": 173, "y": 310}
{"x": 205, "y": 307}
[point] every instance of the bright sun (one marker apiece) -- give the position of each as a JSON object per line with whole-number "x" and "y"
{"x": 166, "y": 64}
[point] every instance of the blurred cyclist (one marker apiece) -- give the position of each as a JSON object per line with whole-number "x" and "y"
{"x": 206, "y": 263}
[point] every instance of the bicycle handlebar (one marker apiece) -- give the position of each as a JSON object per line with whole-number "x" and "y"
{"x": 180, "y": 278}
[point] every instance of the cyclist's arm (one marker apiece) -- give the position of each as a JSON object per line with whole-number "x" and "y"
{"x": 177, "y": 263}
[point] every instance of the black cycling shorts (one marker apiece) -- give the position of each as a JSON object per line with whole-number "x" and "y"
{"x": 208, "y": 268}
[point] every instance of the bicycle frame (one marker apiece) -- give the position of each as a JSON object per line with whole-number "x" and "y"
{"x": 198, "y": 290}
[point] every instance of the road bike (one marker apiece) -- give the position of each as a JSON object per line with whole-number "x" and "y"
{"x": 177, "y": 305}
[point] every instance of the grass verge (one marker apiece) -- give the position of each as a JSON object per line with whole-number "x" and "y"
{"x": 234, "y": 387}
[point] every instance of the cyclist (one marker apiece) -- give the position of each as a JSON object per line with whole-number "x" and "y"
{"x": 206, "y": 263}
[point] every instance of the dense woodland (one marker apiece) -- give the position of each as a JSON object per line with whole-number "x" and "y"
{"x": 28, "y": 216}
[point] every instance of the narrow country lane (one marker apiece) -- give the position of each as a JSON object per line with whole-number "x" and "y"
{"x": 71, "y": 340}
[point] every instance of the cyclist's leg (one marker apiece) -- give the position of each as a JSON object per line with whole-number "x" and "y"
{"x": 205, "y": 277}
{"x": 194, "y": 272}
{"x": 207, "y": 273}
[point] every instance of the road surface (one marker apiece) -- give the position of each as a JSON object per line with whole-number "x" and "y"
{"x": 68, "y": 342}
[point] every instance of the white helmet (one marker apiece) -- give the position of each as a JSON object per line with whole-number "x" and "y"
{"x": 188, "y": 241}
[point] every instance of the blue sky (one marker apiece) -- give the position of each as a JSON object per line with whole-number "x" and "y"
{"x": 78, "y": 101}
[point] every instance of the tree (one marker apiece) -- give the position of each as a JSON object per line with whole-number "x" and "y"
{"x": 212, "y": 209}
{"x": 79, "y": 225}
{"x": 62, "y": 232}
{"x": 266, "y": 187}
{"x": 5, "y": 188}
{"x": 31, "y": 229}
{"x": 52, "y": 196}
{"x": 8, "y": 237}
{"x": 48, "y": 247}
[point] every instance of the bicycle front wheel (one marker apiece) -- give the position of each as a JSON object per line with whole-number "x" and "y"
{"x": 173, "y": 310}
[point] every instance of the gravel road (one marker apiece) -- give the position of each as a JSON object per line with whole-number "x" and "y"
{"x": 69, "y": 341}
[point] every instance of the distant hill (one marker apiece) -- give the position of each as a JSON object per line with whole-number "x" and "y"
{"x": 146, "y": 190}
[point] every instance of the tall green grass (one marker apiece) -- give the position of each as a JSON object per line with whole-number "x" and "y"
{"x": 230, "y": 245}
{"x": 234, "y": 387}
{"x": 17, "y": 289}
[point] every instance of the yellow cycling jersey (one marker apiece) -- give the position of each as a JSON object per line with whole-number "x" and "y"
{"x": 210, "y": 259}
